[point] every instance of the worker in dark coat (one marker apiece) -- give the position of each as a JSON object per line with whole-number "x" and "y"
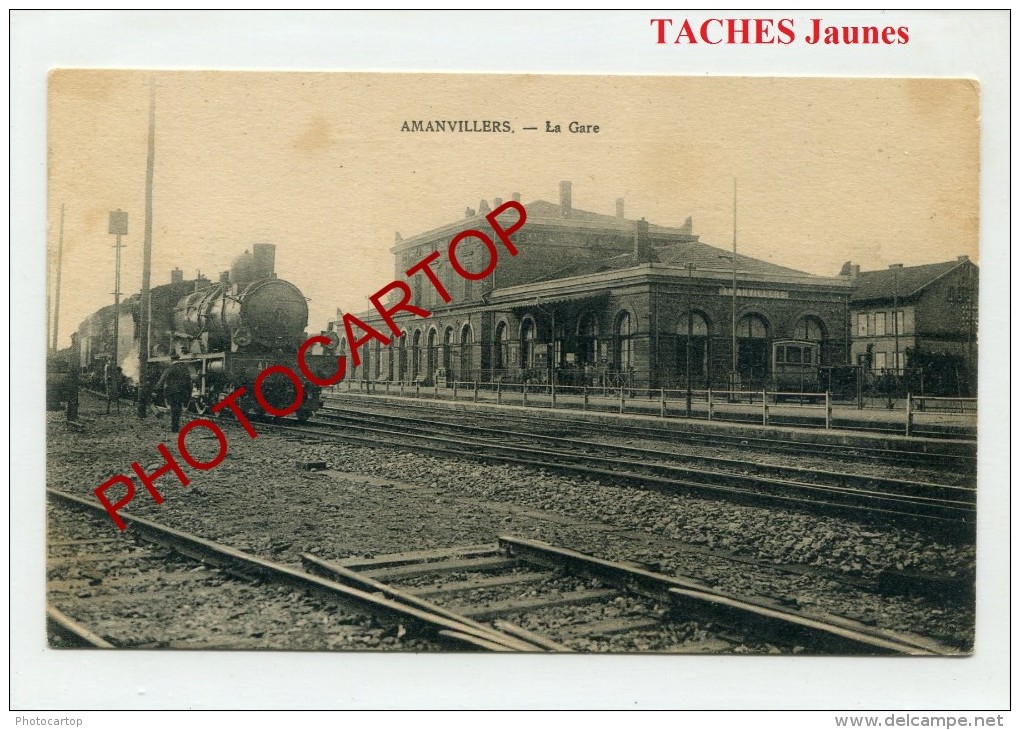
{"x": 176, "y": 385}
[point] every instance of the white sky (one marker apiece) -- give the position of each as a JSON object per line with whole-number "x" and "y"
{"x": 877, "y": 171}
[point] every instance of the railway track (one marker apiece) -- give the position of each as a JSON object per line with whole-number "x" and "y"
{"x": 568, "y": 601}
{"x": 617, "y": 451}
{"x": 517, "y": 595}
{"x": 958, "y": 457}
{"x": 122, "y": 587}
{"x": 948, "y": 510}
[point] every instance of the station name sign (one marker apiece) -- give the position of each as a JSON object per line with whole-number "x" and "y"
{"x": 755, "y": 293}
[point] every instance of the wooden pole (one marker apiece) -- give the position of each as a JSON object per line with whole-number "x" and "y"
{"x": 143, "y": 321}
{"x": 60, "y": 262}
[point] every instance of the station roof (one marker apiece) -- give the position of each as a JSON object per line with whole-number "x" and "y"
{"x": 901, "y": 281}
{"x": 670, "y": 245}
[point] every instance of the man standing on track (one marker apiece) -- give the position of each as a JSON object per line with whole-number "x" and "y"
{"x": 176, "y": 385}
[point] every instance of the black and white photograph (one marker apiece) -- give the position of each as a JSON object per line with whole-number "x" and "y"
{"x": 347, "y": 364}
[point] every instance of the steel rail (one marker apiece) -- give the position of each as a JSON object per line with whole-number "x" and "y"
{"x": 911, "y": 457}
{"x": 251, "y": 566}
{"x": 79, "y": 635}
{"x": 357, "y": 580}
{"x": 772, "y": 469}
{"x": 836, "y": 635}
{"x": 946, "y": 514}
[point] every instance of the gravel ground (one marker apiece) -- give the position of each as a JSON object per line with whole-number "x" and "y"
{"x": 372, "y": 501}
{"x": 142, "y": 596}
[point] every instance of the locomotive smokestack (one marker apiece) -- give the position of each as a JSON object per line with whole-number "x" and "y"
{"x": 264, "y": 255}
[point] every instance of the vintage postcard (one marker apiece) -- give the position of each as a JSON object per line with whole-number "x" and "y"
{"x": 516, "y": 363}
{"x": 510, "y": 360}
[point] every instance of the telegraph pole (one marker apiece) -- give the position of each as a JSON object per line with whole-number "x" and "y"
{"x": 690, "y": 331}
{"x": 118, "y": 227}
{"x": 896, "y": 327}
{"x": 60, "y": 261}
{"x": 734, "y": 375}
{"x": 143, "y": 320}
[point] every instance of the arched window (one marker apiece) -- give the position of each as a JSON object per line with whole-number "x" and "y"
{"x": 466, "y": 352}
{"x": 501, "y": 355}
{"x": 402, "y": 357}
{"x": 809, "y": 328}
{"x": 588, "y": 339}
{"x": 378, "y": 360}
{"x": 624, "y": 342}
{"x": 448, "y": 354}
{"x": 698, "y": 343}
{"x": 432, "y": 359}
{"x": 416, "y": 355}
{"x": 528, "y": 343}
{"x": 752, "y": 346}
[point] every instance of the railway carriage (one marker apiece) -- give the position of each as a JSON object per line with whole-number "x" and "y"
{"x": 796, "y": 366}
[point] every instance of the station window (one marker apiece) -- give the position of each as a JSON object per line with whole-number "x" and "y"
{"x": 502, "y": 351}
{"x": 879, "y": 323}
{"x": 528, "y": 344}
{"x": 588, "y": 335}
{"x": 879, "y": 362}
{"x": 625, "y": 342}
{"x": 862, "y": 325}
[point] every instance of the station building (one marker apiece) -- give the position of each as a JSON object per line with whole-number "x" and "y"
{"x": 594, "y": 298}
{"x": 917, "y": 321}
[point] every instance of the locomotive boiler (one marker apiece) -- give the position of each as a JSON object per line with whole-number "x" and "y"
{"x": 227, "y": 332}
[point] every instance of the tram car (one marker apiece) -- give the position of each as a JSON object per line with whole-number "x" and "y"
{"x": 796, "y": 367}
{"x": 226, "y": 332}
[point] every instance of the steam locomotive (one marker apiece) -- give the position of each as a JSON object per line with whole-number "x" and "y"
{"x": 226, "y": 332}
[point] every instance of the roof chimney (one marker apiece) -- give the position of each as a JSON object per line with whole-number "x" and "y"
{"x": 619, "y": 207}
{"x": 397, "y": 238}
{"x": 483, "y": 207}
{"x": 895, "y": 266}
{"x": 469, "y": 213}
{"x": 176, "y": 276}
{"x": 516, "y": 197}
{"x": 496, "y": 202}
{"x": 687, "y": 228}
{"x": 963, "y": 258}
{"x": 565, "y": 206}
{"x": 642, "y": 247}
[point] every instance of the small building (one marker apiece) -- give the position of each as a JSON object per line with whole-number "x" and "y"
{"x": 594, "y": 298}
{"x": 919, "y": 322}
